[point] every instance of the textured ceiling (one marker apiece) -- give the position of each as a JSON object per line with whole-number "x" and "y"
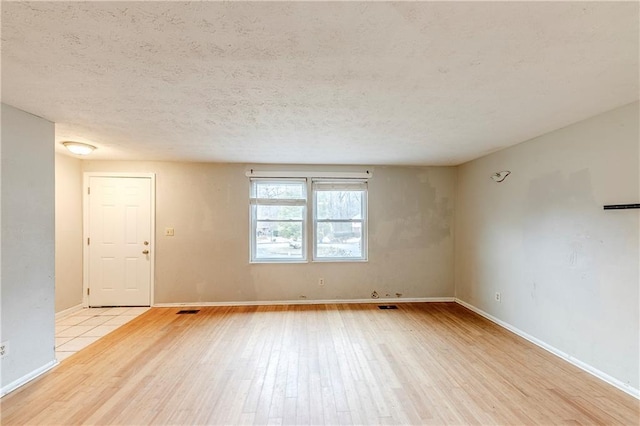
{"x": 435, "y": 83}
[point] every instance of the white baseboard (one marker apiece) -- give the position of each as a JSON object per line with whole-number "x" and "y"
{"x": 68, "y": 311}
{"x": 27, "y": 378}
{"x": 309, "y": 302}
{"x": 581, "y": 365}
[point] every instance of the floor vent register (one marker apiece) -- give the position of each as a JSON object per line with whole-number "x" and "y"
{"x": 188, "y": 311}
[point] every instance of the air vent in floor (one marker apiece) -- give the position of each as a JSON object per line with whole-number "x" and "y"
{"x": 387, "y": 307}
{"x": 188, "y": 311}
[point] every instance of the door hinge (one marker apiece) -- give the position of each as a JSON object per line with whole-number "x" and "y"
{"x": 88, "y": 190}
{"x": 88, "y": 241}
{"x": 88, "y": 291}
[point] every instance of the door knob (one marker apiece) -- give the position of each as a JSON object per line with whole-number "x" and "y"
{"x": 145, "y": 251}
{"x": 146, "y": 243}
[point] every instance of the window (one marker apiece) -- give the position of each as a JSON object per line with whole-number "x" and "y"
{"x": 278, "y": 220}
{"x": 279, "y": 225}
{"x": 340, "y": 220}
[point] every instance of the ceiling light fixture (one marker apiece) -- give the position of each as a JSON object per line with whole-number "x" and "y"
{"x": 500, "y": 176}
{"x": 79, "y": 148}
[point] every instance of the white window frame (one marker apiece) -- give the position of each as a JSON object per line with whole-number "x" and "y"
{"x": 344, "y": 185}
{"x": 254, "y": 202}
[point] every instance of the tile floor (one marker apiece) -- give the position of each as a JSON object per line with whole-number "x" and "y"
{"x": 80, "y": 329}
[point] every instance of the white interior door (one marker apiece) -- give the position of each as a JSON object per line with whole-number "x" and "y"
{"x": 119, "y": 241}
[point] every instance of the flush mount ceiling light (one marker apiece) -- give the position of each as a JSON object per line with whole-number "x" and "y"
{"x": 500, "y": 176}
{"x": 79, "y": 148}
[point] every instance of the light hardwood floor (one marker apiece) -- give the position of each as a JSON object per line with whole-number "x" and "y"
{"x": 435, "y": 363}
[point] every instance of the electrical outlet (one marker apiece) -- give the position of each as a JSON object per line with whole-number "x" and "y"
{"x": 168, "y": 232}
{"x": 498, "y": 297}
{"x": 4, "y": 349}
{"x": 321, "y": 281}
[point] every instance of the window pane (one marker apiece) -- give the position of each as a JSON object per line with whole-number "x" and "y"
{"x": 282, "y": 190}
{"x": 280, "y": 212}
{"x": 339, "y": 204}
{"x": 339, "y": 239}
{"x": 279, "y": 240}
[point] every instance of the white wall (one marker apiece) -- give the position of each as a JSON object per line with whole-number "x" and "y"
{"x": 68, "y": 189}
{"x": 27, "y": 245}
{"x": 410, "y": 237}
{"x": 567, "y": 270}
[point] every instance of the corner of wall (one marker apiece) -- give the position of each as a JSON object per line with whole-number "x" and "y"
{"x": 27, "y": 212}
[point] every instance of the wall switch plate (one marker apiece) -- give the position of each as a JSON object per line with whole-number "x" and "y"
{"x": 168, "y": 232}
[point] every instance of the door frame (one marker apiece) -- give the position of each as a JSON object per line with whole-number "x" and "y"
{"x": 85, "y": 228}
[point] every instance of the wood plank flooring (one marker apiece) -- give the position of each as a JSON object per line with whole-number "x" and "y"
{"x": 422, "y": 364}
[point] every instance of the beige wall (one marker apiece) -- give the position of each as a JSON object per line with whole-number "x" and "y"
{"x": 27, "y": 272}
{"x": 410, "y": 237}
{"x": 68, "y": 232}
{"x": 567, "y": 270}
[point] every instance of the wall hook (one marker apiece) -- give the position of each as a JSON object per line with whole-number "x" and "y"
{"x": 500, "y": 176}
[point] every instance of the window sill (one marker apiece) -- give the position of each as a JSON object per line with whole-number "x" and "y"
{"x": 338, "y": 260}
{"x": 277, "y": 262}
